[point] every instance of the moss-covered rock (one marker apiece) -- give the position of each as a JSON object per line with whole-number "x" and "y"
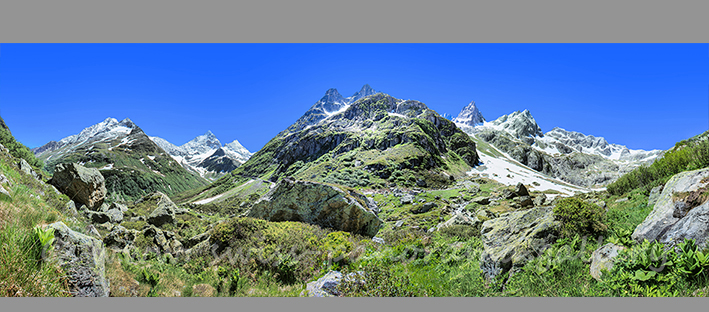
{"x": 81, "y": 184}
{"x": 316, "y": 203}
{"x": 514, "y": 238}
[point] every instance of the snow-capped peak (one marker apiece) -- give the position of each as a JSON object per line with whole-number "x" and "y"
{"x": 589, "y": 144}
{"x": 469, "y": 116}
{"x": 362, "y": 93}
{"x": 237, "y": 151}
{"x": 109, "y": 127}
{"x": 206, "y": 143}
{"x": 519, "y": 124}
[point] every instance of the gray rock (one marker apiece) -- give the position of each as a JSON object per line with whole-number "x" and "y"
{"x": 603, "y": 259}
{"x": 507, "y": 194}
{"x": 91, "y": 230}
{"x": 326, "y": 286}
{"x": 425, "y": 208}
{"x": 521, "y": 190}
{"x": 481, "y": 200}
{"x": 26, "y": 168}
{"x": 4, "y": 194}
{"x": 421, "y": 183}
{"x": 620, "y": 200}
{"x": 120, "y": 238}
{"x": 484, "y": 214}
{"x": 318, "y": 204}
{"x": 460, "y": 219}
{"x": 165, "y": 211}
{"x": 3, "y": 179}
{"x": 525, "y": 201}
{"x": 654, "y": 195}
{"x": 97, "y": 217}
{"x": 378, "y": 240}
{"x": 83, "y": 258}
{"x": 194, "y": 240}
{"x": 407, "y": 199}
{"x": 679, "y": 214}
{"x": 165, "y": 241}
{"x": 115, "y": 215}
{"x": 514, "y": 238}
{"x": 119, "y": 206}
{"x": 70, "y": 208}
{"x": 103, "y": 207}
{"x": 540, "y": 200}
{"x": 399, "y": 223}
{"x": 83, "y": 185}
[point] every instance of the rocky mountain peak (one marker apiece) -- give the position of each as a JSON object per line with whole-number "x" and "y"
{"x": 362, "y": 93}
{"x": 469, "y": 116}
{"x": 519, "y": 124}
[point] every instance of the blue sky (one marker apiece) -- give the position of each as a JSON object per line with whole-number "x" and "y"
{"x": 645, "y": 96}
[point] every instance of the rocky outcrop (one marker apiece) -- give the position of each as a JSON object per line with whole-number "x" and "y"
{"x": 654, "y": 195}
{"x": 316, "y": 203}
{"x": 164, "y": 241}
{"x": 119, "y": 238}
{"x": 83, "y": 260}
{"x": 326, "y": 286}
{"x": 681, "y": 211}
{"x": 25, "y": 167}
{"x": 603, "y": 258}
{"x": 81, "y": 184}
{"x": 514, "y": 238}
{"x": 461, "y": 218}
{"x": 521, "y": 190}
{"x": 165, "y": 210}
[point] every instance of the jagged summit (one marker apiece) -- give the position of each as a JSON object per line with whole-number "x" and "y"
{"x": 470, "y": 116}
{"x": 330, "y": 104}
{"x": 520, "y": 125}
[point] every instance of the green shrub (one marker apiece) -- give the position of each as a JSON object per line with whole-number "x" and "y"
{"x": 579, "y": 217}
{"x": 18, "y": 150}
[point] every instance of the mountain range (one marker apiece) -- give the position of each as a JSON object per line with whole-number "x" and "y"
{"x": 205, "y": 155}
{"x": 583, "y": 160}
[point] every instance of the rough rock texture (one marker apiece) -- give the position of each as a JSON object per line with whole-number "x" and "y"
{"x": 165, "y": 241}
{"x": 316, "y": 203}
{"x": 120, "y": 238}
{"x": 525, "y": 201}
{"x": 424, "y": 208}
{"x": 26, "y": 168}
{"x": 406, "y": 199}
{"x": 460, "y": 219}
{"x": 81, "y": 184}
{"x": 521, "y": 190}
{"x": 481, "y": 200}
{"x": 83, "y": 259}
{"x": 603, "y": 258}
{"x": 512, "y": 239}
{"x": 326, "y": 286}
{"x": 540, "y": 200}
{"x": 654, "y": 195}
{"x": 679, "y": 212}
{"x": 164, "y": 212}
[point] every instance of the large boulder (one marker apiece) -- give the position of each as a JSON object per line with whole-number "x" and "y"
{"x": 81, "y": 184}
{"x": 603, "y": 259}
{"x": 164, "y": 211}
{"x": 316, "y": 203}
{"x": 514, "y": 238}
{"x": 83, "y": 259}
{"x": 521, "y": 190}
{"x": 326, "y": 286}
{"x": 681, "y": 211}
{"x": 26, "y": 168}
{"x": 654, "y": 195}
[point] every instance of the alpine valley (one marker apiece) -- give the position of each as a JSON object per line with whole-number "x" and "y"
{"x": 366, "y": 195}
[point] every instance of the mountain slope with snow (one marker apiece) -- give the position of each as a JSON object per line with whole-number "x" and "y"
{"x": 131, "y": 164}
{"x": 576, "y": 158}
{"x": 205, "y": 155}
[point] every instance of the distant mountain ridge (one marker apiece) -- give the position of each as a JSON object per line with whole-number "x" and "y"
{"x": 205, "y": 155}
{"x": 131, "y": 163}
{"x": 574, "y": 157}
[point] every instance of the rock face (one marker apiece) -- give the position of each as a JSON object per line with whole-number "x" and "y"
{"x": 83, "y": 185}
{"x": 120, "y": 238}
{"x": 681, "y": 211}
{"x": 654, "y": 195}
{"x": 521, "y": 190}
{"x": 316, "y": 203}
{"x": 512, "y": 239}
{"x": 83, "y": 259}
{"x": 603, "y": 258}
{"x": 460, "y": 219}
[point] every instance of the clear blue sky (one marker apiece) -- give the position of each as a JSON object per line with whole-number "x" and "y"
{"x": 645, "y": 96}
